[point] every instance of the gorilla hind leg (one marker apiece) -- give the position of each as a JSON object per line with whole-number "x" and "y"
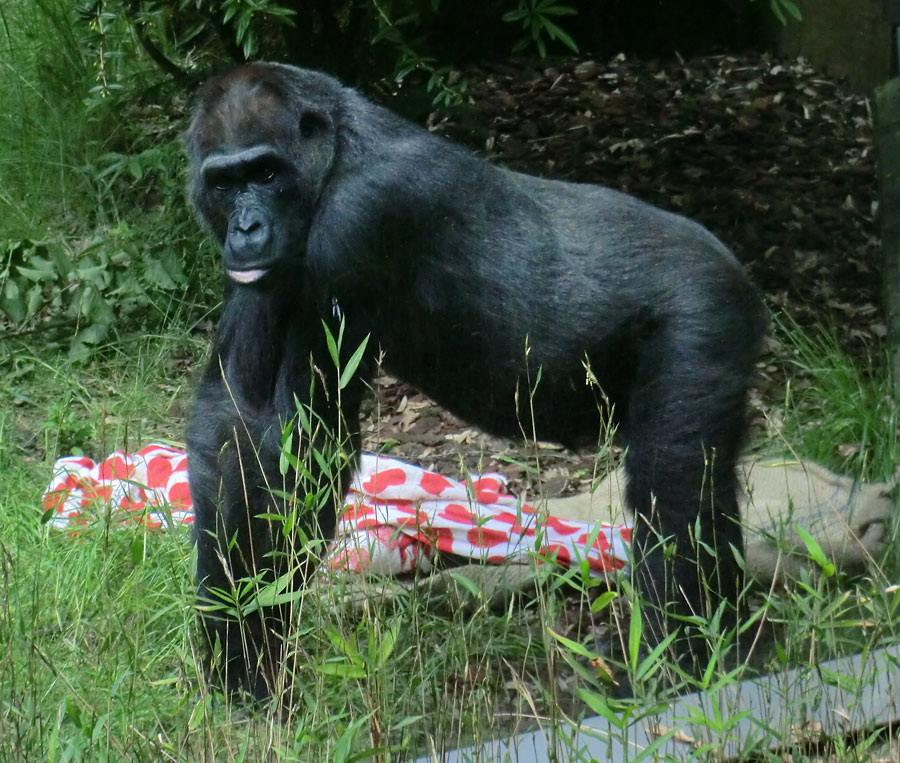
{"x": 684, "y": 428}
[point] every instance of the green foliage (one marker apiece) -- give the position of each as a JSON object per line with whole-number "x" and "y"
{"x": 781, "y": 9}
{"x": 840, "y": 411}
{"x": 89, "y": 290}
{"x": 113, "y": 166}
{"x": 386, "y": 40}
{"x": 248, "y": 16}
{"x": 348, "y": 370}
{"x": 66, "y": 428}
{"x": 536, "y": 18}
{"x": 78, "y": 158}
{"x": 98, "y": 654}
{"x": 441, "y": 81}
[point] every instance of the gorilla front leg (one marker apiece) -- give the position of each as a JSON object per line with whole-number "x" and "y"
{"x": 256, "y": 452}
{"x": 231, "y": 475}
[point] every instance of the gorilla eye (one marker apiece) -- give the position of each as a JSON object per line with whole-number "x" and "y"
{"x": 267, "y": 174}
{"x": 218, "y": 182}
{"x": 312, "y": 123}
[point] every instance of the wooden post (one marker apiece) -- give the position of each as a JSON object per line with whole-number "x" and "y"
{"x": 887, "y": 152}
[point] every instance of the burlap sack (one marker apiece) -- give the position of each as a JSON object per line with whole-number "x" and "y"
{"x": 848, "y": 519}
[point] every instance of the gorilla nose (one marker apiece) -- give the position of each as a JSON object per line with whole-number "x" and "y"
{"x": 249, "y": 236}
{"x": 249, "y": 227}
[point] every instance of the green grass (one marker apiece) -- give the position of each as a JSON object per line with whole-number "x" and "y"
{"x": 99, "y": 649}
{"x": 44, "y": 132}
{"x": 839, "y": 412}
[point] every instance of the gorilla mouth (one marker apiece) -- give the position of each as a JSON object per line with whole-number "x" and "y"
{"x": 247, "y": 276}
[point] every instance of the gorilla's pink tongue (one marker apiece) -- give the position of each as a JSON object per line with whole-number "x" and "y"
{"x": 246, "y": 276}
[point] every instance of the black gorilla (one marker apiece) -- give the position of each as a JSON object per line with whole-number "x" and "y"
{"x": 491, "y": 291}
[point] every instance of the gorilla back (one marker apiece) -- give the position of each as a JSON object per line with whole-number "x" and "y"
{"x": 490, "y": 290}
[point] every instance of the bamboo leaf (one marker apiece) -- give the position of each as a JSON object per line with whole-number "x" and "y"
{"x": 353, "y": 363}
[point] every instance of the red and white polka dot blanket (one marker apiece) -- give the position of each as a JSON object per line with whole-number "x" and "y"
{"x": 396, "y": 516}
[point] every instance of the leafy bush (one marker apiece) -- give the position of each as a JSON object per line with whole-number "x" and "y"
{"x": 536, "y": 17}
{"x": 352, "y": 38}
{"x": 83, "y": 293}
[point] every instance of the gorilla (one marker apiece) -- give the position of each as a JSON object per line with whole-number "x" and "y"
{"x": 524, "y": 305}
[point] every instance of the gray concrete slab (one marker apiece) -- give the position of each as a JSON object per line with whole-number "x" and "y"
{"x": 830, "y": 699}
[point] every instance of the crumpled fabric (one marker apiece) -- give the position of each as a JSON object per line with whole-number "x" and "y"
{"x": 397, "y": 517}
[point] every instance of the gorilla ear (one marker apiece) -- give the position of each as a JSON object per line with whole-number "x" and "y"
{"x": 313, "y": 123}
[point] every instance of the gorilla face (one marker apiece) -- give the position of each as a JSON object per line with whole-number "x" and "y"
{"x": 259, "y": 159}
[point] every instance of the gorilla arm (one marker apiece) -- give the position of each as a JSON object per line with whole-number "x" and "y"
{"x": 267, "y": 360}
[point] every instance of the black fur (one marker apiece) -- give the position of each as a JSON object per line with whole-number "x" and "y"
{"x": 470, "y": 278}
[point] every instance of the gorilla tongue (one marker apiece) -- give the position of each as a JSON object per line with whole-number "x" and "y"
{"x": 247, "y": 276}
